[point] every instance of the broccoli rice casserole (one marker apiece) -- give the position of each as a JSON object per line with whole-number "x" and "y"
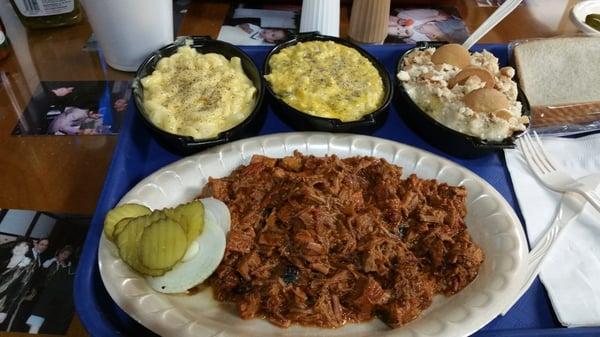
{"x": 467, "y": 92}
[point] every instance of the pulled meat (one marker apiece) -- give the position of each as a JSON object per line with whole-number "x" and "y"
{"x": 325, "y": 241}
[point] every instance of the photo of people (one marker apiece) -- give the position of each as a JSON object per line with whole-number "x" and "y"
{"x": 17, "y": 272}
{"x": 493, "y": 3}
{"x": 410, "y": 25}
{"x": 37, "y": 273}
{"x": 75, "y": 108}
{"x": 267, "y": 25}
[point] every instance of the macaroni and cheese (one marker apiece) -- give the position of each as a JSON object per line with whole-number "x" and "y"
{"x": 198, "y": 95}
{"x": 326, "y": 79}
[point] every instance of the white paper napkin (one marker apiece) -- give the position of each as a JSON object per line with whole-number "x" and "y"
{"x": 571, "y": 272}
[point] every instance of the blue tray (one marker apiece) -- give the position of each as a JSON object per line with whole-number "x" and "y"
{"x": 138, "y": 155}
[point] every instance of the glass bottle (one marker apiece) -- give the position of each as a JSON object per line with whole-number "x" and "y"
{"x": 38, "y": 14}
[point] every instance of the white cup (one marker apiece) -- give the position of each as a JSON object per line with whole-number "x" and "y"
{"x": 129, "y": 30}
{"x": 321, "y": 16}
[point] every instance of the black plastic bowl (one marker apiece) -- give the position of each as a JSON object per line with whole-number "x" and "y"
{"x": 437, "y": 134}
{"x": 203, "y": 44}
{"x": 303, "y": 121}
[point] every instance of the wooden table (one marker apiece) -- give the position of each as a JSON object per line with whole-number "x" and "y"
{"x": 65, "y": 174}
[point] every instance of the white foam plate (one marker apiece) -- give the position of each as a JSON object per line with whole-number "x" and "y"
{"x": 491, "y": 221}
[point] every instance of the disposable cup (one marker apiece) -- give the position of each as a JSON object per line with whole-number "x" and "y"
{"x": 321, "y": 16}
{"x": 128, "y": 30}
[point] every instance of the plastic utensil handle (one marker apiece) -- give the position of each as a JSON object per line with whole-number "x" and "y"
{"x": 591, "y": 196}
{"x": 571, "y": 205}
{"x": 491, "y": 22}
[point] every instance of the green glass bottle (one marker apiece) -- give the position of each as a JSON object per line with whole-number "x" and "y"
{"x": 39, "y": 14}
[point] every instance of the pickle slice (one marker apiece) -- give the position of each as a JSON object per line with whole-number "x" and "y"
{"x": 191, "y": 272}
{"x": 119, "y": 227}
{"x": 127, "y": 241}
{"x": 162, "y": 244}
{"x": 171, "y": 214}
{"x": 191, "y": 217}
{"x": 593, "y": 20}
{"x": 119, "y": 213}
{"x": 154, "y": 216}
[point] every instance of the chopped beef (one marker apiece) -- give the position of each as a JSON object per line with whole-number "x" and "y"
{"x": 324, "y": 241}
{"x": 370, "y": 294}
{"x": 239, "y": 241}
{"x": 290, "y": 274}
{"x": 247, "y": 264}
{"x": 248, "y": 306}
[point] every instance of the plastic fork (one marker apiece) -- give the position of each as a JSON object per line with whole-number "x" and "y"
{"x": 571, "y": 205}
{"x": 491, "y": 22}
{"x": 549, "y": 173}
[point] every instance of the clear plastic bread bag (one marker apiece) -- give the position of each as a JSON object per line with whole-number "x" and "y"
{"x": 563, "y": 87}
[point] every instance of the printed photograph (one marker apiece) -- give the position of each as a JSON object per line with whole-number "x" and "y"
{"x": 75, "y": 108}
{"x": 410, "y": 25}
{"x": 493, "y": 3}
{"x": 267, "y": 25}
{"x": 38, "y": 262}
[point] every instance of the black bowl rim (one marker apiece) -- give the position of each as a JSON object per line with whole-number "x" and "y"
{"x": 189, "y": 141}
{"x": 366, "y": 120}
{"x": 477, "y": 142}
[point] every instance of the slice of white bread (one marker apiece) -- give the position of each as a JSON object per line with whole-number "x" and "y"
{"x": 559, "y": 71}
